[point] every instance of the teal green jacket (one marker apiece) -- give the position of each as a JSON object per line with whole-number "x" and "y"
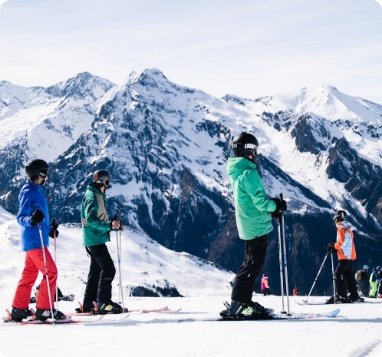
{"x": 252, "y": 206}
{"x": 95, "y": 222}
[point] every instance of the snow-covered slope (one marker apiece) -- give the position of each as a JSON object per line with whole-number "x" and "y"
{"x": 144, "y": 264}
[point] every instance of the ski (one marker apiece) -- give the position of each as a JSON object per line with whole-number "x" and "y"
{"x": 40, "y": 322}
{"x": 96, "y": 319}
{"x": 305, "y": 302}
{"x": 293, "y": 316}
{"x": 141, "y": 311}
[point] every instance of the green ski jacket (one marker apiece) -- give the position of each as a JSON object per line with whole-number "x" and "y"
{"x": 95, "y": 222}
{"x": 252, "y": 206}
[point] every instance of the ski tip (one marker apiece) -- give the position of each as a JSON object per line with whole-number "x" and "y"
{"x": 8, "y": 317}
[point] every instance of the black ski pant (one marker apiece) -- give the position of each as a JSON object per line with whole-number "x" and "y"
{"x": 100, "y": 277}
{"x": 345, "y": 280}
{"x": 254, "y": 258}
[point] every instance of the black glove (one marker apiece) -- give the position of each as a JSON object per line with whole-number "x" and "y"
{"x": 276, "y": 214}
{"x": 331, "y": 248}
{"x": 120, "y": 223}
{"x": 281, "y": 206}
{"x": 54, "y": 230}
{"x": 37, "y": 217}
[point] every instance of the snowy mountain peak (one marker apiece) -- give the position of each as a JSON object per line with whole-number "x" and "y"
{"x": 84, "y": 84}
{"x": 324, "y": 100}
{"x": 153, "y": 80}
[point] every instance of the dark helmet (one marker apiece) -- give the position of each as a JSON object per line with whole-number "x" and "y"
{"x": 340, "y": 216}
{"x": 36, "y": 168}
{"x": 102, "y": 177}
{"x": 244, "y": 143}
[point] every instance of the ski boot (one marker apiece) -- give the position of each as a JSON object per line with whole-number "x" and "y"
{"x": 19, "y": 314}
{"x": 109, "y": 308}
{"x": 358, "y": 299}
{"x": 338, "y": 299}
{"x": 250, "y": 311}
{"x": 227, "y": 312}
{"x": 67, "y": 297}
{"x": 44, "y": 314}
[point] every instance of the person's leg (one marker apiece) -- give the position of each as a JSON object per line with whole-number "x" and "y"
{"x": 92, "y": 283}
{"x": 25, "y": 284}
{"x": 373, "y": 288}
{"x": 255, "y": 252}
{"x": 362, "y": 287}
{"x": 37, "y": 256}
{"x": 103, "y": 258}
{"x": 338, "y": 278}
{"x": 349, "y": 279}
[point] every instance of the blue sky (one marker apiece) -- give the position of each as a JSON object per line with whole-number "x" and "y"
{"x": 248, "y": 48}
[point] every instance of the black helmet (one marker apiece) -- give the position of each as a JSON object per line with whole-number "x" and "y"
{"x": 340, "y": 216}
{"x": 36, "y": 168}
{"x": 102, "y": 177}
{"x": 244, "y": 143}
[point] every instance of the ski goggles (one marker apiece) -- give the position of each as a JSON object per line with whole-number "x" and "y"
{"x": 43, "y": 173}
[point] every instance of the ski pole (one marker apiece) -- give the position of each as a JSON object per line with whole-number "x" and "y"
{"x": 120, "y": 274}
{"x": 118, "y": 240}
{"x": 46, "y": 273}
{"x": 55, "y": 256}
{"x": 334, "y": 282}
{"x": 314, "y": 282}
{"x": 281, "y": 265}
{"x": 285, "y": 257}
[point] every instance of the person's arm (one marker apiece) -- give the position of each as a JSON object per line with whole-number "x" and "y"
{"x": 91, "y": 216}
{"x": 26, "y": 208}
{"x": 255, "y": 188}
{"x": 340, "y": 239}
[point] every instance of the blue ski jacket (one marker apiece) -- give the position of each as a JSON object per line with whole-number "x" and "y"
{"x": 32, "y": 197}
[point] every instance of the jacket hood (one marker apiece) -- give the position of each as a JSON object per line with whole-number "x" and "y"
{"x": 236, "y": 166}
{"x": 345, "y": 225}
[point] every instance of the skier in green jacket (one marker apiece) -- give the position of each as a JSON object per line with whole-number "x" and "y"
{"x": 96, "y": 228}
{"x": 254, "y": 211}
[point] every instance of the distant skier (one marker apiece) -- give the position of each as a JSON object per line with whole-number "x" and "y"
{"x": 345, "y": 248}
{"x": 96, "y": 228}
{"x": 379, "y": 294}
{"x": 265, "y": 285}
{"x": 295, "y": 291}
{"x": 33, "y": 217}
{"x": 361, "y": 277}
{"x": 374, "y": 281}
{"x": 254, "y": 221}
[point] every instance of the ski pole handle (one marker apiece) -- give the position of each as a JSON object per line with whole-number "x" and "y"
{"x": 281, "y": 197}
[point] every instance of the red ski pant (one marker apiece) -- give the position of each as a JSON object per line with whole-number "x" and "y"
{"x": 34, "y": 262}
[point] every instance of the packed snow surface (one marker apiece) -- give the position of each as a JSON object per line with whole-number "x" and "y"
{"x": 356, "y": 332}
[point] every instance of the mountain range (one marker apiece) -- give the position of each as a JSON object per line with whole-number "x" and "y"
{"x": 166, "y": 145}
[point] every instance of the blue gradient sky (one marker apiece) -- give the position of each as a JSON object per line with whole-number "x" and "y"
{"x": 248, "y": 48}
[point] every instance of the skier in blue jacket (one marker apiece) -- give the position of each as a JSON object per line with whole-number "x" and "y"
{"x": 33, "y": 218}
